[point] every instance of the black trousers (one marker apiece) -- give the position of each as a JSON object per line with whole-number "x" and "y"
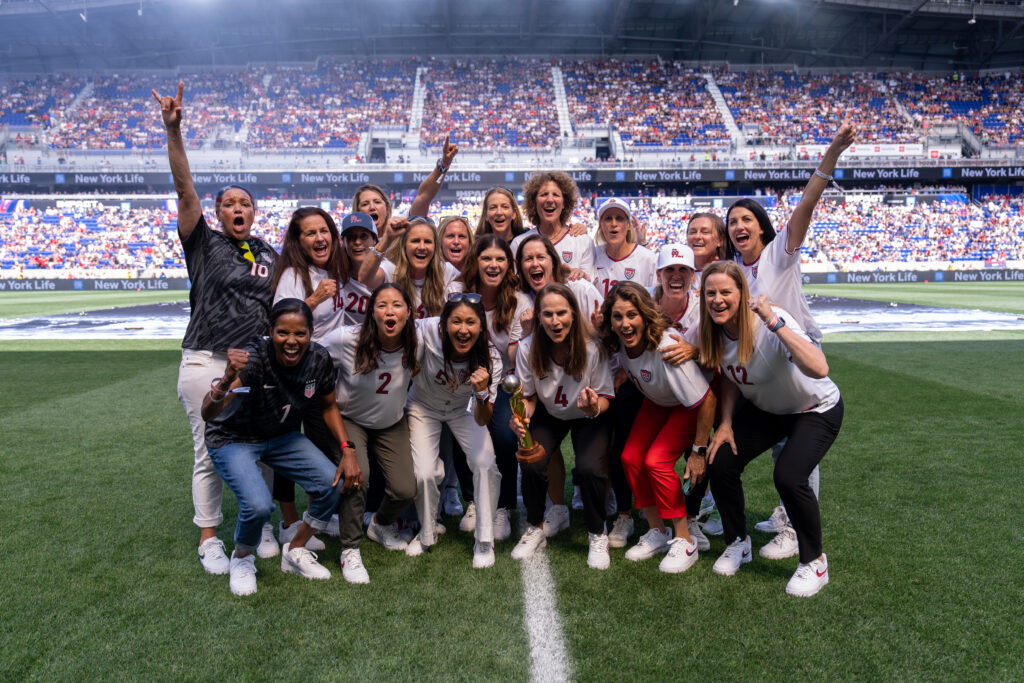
{"x": 624, "y": 409}
{"x": 591, "y": 441}
{"x": 755, "y": 431}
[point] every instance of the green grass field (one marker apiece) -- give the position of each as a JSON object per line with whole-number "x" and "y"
{"x": 24, "y": 304}
{"x": 988, "y": 296}
{"x": 919, "y": 495}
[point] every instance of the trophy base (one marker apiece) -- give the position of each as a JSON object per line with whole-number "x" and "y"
{"x": 531, "y": 455}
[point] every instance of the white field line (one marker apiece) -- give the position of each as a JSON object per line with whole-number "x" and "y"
{"x": 548, "y": 654}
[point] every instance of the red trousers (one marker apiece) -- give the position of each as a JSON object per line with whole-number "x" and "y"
{"x": 657, "y": 440}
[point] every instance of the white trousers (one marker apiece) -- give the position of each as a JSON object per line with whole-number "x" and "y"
{"x": 425, "y": 434}
{"x": 197, "y": 371}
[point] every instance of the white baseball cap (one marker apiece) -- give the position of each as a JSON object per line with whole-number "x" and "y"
{"x": 614, "y": 203}
{"x": 675, "y": 254}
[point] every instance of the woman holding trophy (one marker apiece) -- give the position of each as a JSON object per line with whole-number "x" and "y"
{"x": 566, "y": 388}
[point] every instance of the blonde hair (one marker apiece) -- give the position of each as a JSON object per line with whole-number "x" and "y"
{"x": 483, "y": 227}
{"x": 432, "y": 294}
{"x": 711, "y": 342}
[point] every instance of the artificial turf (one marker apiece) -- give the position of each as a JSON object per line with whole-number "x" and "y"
{"x": 918, "y": 501}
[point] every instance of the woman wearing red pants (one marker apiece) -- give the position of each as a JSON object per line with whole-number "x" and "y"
{"x": 675, "y": 419}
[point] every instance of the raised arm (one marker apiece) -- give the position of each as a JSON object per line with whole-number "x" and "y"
{"x": 805, "y": 355}
{"x": 801, "y": 218}
{"x": 431, "y": 185}
{"x": 189, "y": 209}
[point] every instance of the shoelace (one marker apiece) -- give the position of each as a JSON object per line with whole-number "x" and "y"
{"x": 783, "y": 536}
{"x": 600, "y": 543}
{"x": 805, "y": 571}
{"x": 354, "y": 561}
{"x": 215, "y": 551}
{"x": 735, "y": 549}
{"x": 306, "y": 556}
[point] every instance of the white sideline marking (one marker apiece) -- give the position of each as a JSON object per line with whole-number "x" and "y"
{"x": 549, "y": 659}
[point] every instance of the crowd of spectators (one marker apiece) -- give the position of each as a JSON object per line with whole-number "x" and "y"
{"x": 651, "y": 103}
{"x": 788, "y": 108}
{"x": 28, "y": 101}
{"x": 843, "y": 233}
{"x": 491, "y": 103}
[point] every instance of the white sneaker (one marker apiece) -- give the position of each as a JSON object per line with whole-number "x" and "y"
{"x": 532, "y": 540}
{"x": 468, "y": 521}
{"x": 213, "y": 557}
{"x": 302, "y": 561}
{"x": 597, "y": 556}
{"x": 415, "y": 548}
{"x": 782, "y": 546}
{"x": 333, "y": 528}
{"x": 483, "y": 555}
{"x": 611, "y": 503}
{"x": 387, "y": 536}
{"x": 651, "y": 543}
{"x": 682, "y": 555}
{"x": 556, "y": 519}
{"x": 713, "y": 524}
{"x": 502, "y": 525}
{"x": 775, "y": 523}
{"x": 287, "y": 533}
{"x": 622, "y": 529}
{"x": 697, "y": 536}
{"x": 352, "y": 569}
{"x": 736, "y": 554}
{"x": 577, "y": 498}
{"x": 707, "y": 504}
{"x": 440, "y": 529}
{"x": 243, "y": 574}
{"x": 452, "y": 504}
{"x": 268, "y": 546}
{"x": 809, "y": 578}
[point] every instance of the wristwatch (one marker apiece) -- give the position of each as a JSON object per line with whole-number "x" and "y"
{"x": 702, "y": 451}
{"x": 347, "y": 444}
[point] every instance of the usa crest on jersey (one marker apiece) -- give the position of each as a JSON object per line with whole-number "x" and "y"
{"x": 567, "y": 256}
{"x": 645, "y": 375}
{"x": 630, "y": 272}
{"x": 310, "y": 389}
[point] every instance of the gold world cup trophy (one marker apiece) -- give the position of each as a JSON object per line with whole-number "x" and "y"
{"x": 529, "y": 450}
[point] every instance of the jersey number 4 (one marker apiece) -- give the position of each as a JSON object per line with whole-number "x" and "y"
{"x": 560, "y": 397}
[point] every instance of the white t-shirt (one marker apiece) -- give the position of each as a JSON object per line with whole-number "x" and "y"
{"x": 586, "y": 295}
{"x": 575, "y": 251}
{"x": 690, "y": 318}
{"x": 356, "y": 298}
{"x": 328, "y": 314}
{"x": 375, "y": 400}
{"x": 666, "y": 385}
{"x": 639, "y": 266}
{"x": 776, "y": 274}
{"x": 451, "y": 284}
{"x": 559, "y": 391}
{"x": 770, "y": 380}
{"x": 502, "y": 340}
{"x": 430, "y": 386}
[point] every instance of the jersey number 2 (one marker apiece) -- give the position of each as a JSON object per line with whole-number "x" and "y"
{"x": 385, "y": 378}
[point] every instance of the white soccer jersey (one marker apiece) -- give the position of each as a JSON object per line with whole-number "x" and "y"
{"x": 451, "y": 284}
{"x": 639, "y": 266}
{"x": 690, "y": 318}
{"x": 559, "y": 391}
{"x": 328, "y": 314}
{"x": 375, "y": 400}
{"x": 776, "y": 274}
{"x": 666, "y": 385}
{"x": 431, "y": 386}
{"x": 356, "y": 298}
{"x": 575, "y": 251}
{"x": 502, "y": 340}
{"x": 586, "y": 295}
{"x": 770, "y": 380}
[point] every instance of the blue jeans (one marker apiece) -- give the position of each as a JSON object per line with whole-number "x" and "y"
{"x": 292, "y": 455}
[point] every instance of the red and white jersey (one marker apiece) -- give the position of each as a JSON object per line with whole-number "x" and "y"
{"x": 770, "y": 380}
{"x": 502, "y": 340}
{"x": 356, "y": 299}
{"x": 586, "y": 295}
{"x": 666, "y": 385}
{"x": 639, "y": 266}
{"x": 451, "y": 284}
{"x": 431, "y": 386}
{"x": 575, "y": 251}
{"x": 374, "y": 400}
{"x": 559, "y": 391}
{"x": 328, "y": 314}
{"x": 776, "y": 274}
{"x": 690, "y": 317}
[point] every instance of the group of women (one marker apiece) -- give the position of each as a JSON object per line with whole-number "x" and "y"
{"x": 386, "y": 343}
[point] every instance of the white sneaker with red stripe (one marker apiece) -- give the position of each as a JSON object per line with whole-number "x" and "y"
{"x": 809, "y": 578}
{"x": 682, "y": 555}
{"x": 738, "y": 553}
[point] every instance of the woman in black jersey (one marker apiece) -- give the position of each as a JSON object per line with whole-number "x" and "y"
{"x": 253, "y": 415}
{"x": 230, "y": 298}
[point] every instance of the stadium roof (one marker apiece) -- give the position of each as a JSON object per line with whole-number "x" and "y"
{"x": 945, "y": 35}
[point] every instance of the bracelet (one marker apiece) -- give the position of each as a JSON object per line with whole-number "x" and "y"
{"x": 373, "y": 250}
{"x": 482, "y": 395}
{"x": 823, "y": 176}
{"x": 441, "y": 168}
{"x": 777, "y": 324}
{"x": 215, "y": 389}
{"x": 595, "y": 415}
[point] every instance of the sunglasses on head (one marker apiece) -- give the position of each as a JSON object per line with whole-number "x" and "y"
{"x": 458, "y": 297}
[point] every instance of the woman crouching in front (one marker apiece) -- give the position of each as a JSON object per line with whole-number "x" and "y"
{"x": 253, "y": 414}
